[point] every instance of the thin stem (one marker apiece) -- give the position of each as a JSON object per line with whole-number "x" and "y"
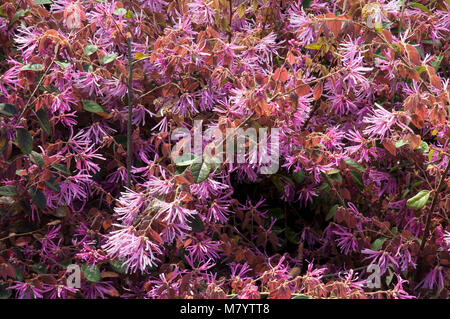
{"x": 130, "y": 107}
{"x": 307, "y": 83}
{"x": 230, "y": 34}
{"x": 316, "y": 107}
{"x": 38, "y": 85}
{"x": 430, "y": 212}
{"x": 341, "y": 200}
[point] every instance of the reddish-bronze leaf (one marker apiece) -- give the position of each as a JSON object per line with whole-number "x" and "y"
{"x": 412, "y": 54}
{"x": 390, "y": 147}
{"x": 280, "y": 74}
{"x": 414, "y": 140}
{"x": 317, "y": 91}
{"x": 302, "y": 89}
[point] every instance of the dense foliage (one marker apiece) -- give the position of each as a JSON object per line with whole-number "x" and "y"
{"x": 359, "y": 91}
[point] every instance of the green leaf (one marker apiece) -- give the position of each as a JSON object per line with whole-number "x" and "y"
{"x": 299, "y": 176}
{"x": 38, "y": 198}
{"x": 314, "y": 46}
{"x": 42, "y": 1}
{"x": 430, "y": 155}
{"x": 420, "y": 69}
{"x": 400, "y": 143}
{"x": 32, "y": 67}
{"x": 63, "y": 65}
{"x": 378, "y": 243}
{"x": 19, "y": 274}
{"x": 18, "y": 14}
{"x": 66, "y": 262}
{"x": 437, "y": 64}
{"x": 37, "y": 159}
{"x": 354, "y": 165}
{"x": 43, "y": 120}
{"x": 52, "y": 186}
{"x": 196, "y": 223}
{"x": 276, "y": 180}
{"x": 91, "y": 273}
{"x": 39, "y": 268}
{"x": 24, "y": 140}
{"x": 118, "y": 266}
{"x": 185, "y": 159}
{"x": 423, "y": 147}
{"x": 358, "y": 179}
{"x": 107, "y": 58}
{"x": 5, "y": 294}
{"x": 92, "y": 107}
{"x": 62, "y": 168}
{"x": 7, "y": 109}
{"x": 306, "y": 3}
{"x": 120, "y": 11}
{"x": 336, "y": 178}
{"x": 181, "y": 169}
{"x": 90, "y": 49}
{"x": 333, "y": 171}
{"x": 200, "y": 171}
{"x": 420, "y": 53}
{"x": 88, "y": 68}
{"x": 419, "y": 200}
{"x": 419, "y": 6}
{"x": 301, "y": 297}
{"x": 333, "y": 210}
{"x": 214, "y": 163}
{"x": 8, "y": 190}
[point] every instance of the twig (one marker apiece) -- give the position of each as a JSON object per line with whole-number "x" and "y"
{"x": 341, "y": 200}
{"x": 307, "y": 83}
{"x": 230, "y": 34}
{"x": 38, "y": 85}
{"x": 130, "y": 107}
{"x": 430, "y": 212}
{"x": 316, "y": 107}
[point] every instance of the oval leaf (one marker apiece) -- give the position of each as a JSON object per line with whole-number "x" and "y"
{"x": 7, "y": 109}
{"x": 118, "y": 266}
{"x": 43, "y": 120}
{"x": 91, "y": 273}
{"x": 8, "y": 190}
{"x": 200, "y": 171}
{"x": 38, "y": 198}
{"x": 24, "y": 140}
{"x": 196, "y": 224}
{"x": 418, "y": 201}
{"x": 90, "y": 49}
{"x": 378, "y": 243}
{"x": 92, "y": 107}
{"x": 107, "y": 58}
{"x": 33, "y": 67}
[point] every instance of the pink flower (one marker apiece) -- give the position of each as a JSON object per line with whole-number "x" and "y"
{"x": 382, "y": 121}
{"x": 435, "y": 278}
{"x": 74, "y": 15}
{"x": 138, "y": 252}
{"x": 346, "y": 240}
